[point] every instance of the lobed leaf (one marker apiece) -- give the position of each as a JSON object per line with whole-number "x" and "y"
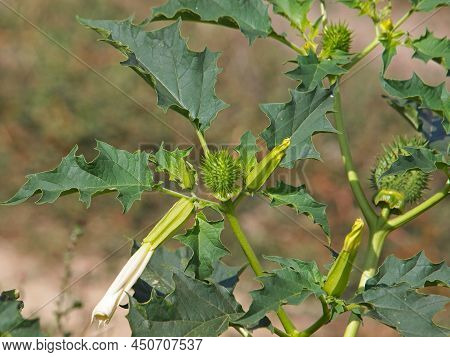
{"x": 12, "y": 324}
{"x": 193, "y": 308}
{"x": 112, "y": 170}
{"x": 295, "y": 11}
{"x": 159, "y": 271}
{"x": 204, "y": 240}
{"x": 417, "y": 272}
{"x": 420, "y": 158}
{"x": 175, "y": 164}
{"x": 292, "y": 284}
{"x": 311, "y": 71}
{"x": 428, "y": 47}
{"x": 250, "y": 16}
{"x": 425, "y": 121}
{"x": 299, "y": 119}
{"x": 434, "y": 98}
{"x": 428, "y": 5}
{"x": 299, "y": 199}
{"x": 184, "y": 80}
{"x": 405, "y": 310}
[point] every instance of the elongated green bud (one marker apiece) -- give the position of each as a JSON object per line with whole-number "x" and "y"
{"x": 171, "y": 221}
{"x": 338, "y": 276}
{"x": 263, "y": 169}
{"x": 187, "y": 175}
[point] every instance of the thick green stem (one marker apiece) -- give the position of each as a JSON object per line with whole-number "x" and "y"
{"x": 352, "y": 176}
{"x": 416, "y": 211}
{"x": 324, "y": 319}
{"x": 255, "y": 264}
{"x": 376, "y": 241}
{"x": 202, "y": 140}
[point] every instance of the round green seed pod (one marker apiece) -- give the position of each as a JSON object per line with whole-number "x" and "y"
{"x": 336, "y": 37}
{"x": 220, "y": 172}
{"x": 398, "y": 190}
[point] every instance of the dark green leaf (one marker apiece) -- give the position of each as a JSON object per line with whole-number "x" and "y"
{"x": 176, "y": 165}
{"x": 291, "y": 284}
{"x": 226, "y": 276}
{"x": 425, "y": 121}
{"x": 434, "y": 98}
{"x": 417, "y": 272}
{"x": 428, "y": 47}
{"x": 247, "y": 150}
{"x": 311, "y": 71}
{"x": 299, "y": 120}
{"x": 159, "y": 271}
{"x": 294, "y": 10}
{"x": 299, "y": 199}
{"x": 184, "y": 80}
{"x": 112, "y": 170}
{"x": 390, "y": 50}
{"x": 420, "y": 158}
{"x": 204, "y": 240}
{"x": 12, "y": 324}
{"x": 405, "y": 310}
{"x": 193, "y": 309}
{"x": 428, "y": 5}
{"x": 251, "y": 16}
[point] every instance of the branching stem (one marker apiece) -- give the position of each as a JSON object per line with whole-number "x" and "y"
{"x": 323, "y": 320}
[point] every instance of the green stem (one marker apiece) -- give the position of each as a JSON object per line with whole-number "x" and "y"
{"x": 242, "y": 330}
{"x": 403, "y": 19}
{"x": 373, "y": 254}
{"x": 254, "y": 263}
{"x": 323, "y": 320}
{"x": 202, "y": 140}
{"x": 416, "y": 211}
{"x": 372, "y": 45}
{"x": 280, "y": 332}
{"x": 180, "y": 195}
{"x": 352, "y": 176}
{"x": 288, "y": 43}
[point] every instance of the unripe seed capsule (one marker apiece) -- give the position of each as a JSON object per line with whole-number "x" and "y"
{"x": 170, "y": 222}
{"x": 263, "y": 169}
{"x": 339, "y": 274}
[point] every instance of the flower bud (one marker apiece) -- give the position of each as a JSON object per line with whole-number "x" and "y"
{"x": 172, "y": 220}
{"x": 339, "y": 274}
{"x": 133, "y": 269}
{"x": 263, "y": 169}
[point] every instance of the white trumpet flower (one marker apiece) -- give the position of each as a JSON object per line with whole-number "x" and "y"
{"x": 122, "y": 285}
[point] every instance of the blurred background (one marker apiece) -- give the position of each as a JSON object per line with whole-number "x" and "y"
{"x": 60, "y": 87}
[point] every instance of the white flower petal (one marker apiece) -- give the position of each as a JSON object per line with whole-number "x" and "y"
{"x": 122, "y": 284}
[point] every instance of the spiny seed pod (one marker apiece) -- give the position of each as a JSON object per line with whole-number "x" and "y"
{"x": 336, "y": 37}
{"x": 398, "y": 190}
{"x": 170, "y": 222}
{"x": 339, "y": 274}
{"x": 220, "y": 172}
{"x": 263, "y": 169}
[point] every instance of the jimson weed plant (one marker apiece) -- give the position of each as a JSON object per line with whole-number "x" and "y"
{"x": 189, "y": 291}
